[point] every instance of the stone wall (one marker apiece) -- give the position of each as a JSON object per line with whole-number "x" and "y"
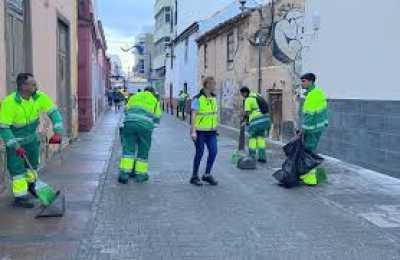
{"x": 366, "y": 133}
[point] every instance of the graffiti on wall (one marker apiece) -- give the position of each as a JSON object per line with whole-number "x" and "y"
{"x": 231, "y": 103}
{"x": 229, "y": 95}
{"x": 287, "y": 42}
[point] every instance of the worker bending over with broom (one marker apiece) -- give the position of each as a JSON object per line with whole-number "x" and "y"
{"x": 141, "y": 117}
{"x": 19, "y": 120}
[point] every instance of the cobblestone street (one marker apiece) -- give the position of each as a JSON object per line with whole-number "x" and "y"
{"x": 354, "y": 216}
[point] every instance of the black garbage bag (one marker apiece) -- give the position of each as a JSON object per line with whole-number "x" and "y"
{"x": 307, "y": 161}
{"x": 299, "y": 161}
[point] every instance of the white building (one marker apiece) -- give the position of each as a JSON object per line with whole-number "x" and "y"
{"x": 143, "y": 52}
{"x": 116, "y": 65}
{"x": 353, "y": 47}
{"x": 164, "y": 13}
{"x": 193, "y": 19}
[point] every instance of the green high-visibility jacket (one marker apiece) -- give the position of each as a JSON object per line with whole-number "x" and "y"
{"x": 251, "y": 107}
{"x": 143, "y": 107}
{"x": 183, "y": 97}
{"x": 315, "y": 111}
{"x": 19, "y": 118}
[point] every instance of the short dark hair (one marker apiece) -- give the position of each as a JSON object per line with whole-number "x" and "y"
{"x": 150, "y": 89}
{"x": 245, "y": 90}
{"x": 21, "y": 78}
{"x": 309, "y": 77}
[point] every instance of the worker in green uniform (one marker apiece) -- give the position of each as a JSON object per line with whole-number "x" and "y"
{"x": 141, "y": 117}
{"x": 315, "y": 120}
{"x": 257, "y": 116}
{"x": 182, "y": 98}
{"x": 19, "y": 120}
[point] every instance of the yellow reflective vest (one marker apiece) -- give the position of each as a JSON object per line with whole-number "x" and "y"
{"x": 207, "y": 113}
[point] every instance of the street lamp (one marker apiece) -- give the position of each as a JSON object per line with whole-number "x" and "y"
{"x": 137, "y": 47}
{"x": 263, "y": 34}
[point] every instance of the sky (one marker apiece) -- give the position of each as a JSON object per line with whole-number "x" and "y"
{"x": 122, "y": 21}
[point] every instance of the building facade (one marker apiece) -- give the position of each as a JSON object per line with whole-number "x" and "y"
{"x": 93, "y": 67}
{"x": 143, "y": 51}
{"x": 360, "y": 79}
{"x": 244, "y": 50}
{"x": 165, "y": 14}
{"x": 193, "y": 18}
{"x": 41, "y": 37}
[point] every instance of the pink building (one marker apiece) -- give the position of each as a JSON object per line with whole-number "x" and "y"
{"x": 93, "y": 69}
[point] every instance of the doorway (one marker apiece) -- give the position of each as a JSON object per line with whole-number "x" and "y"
{"x": 275, "y": 101}
{"x": 63, "y": 75}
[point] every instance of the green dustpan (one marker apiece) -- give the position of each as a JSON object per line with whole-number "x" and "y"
{"x": 52, "y": 202}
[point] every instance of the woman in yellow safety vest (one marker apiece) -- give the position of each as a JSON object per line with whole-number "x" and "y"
{"x": 204, "y": 130}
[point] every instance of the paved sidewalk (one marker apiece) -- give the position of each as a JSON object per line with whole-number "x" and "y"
{"x": 78, "y": 176}
{"x": 354, "y": 216}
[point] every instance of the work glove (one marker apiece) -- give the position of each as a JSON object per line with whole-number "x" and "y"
{"x": 55, "y": 139}
{"x": 20, "y": 152}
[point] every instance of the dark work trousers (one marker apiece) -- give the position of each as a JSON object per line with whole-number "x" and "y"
{"x": 208, "y": 138}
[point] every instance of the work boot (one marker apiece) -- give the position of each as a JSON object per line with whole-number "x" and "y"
{"x": 123, "y": 178}
{"x": 195, "y": 181}
{"x": 23, "y": 202}
{"x": 140, "y": 178}
{"x": 209, "y": 179}
{"x": 262, "y": 160}
{"x": 132, "y": 174}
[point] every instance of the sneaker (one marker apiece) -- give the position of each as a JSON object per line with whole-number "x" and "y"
{"x": 196, "y": 181}
{"x": 140, "y": 178}
{"x": 262, "y": 160}
{"x": 209, "y": 179}
{"x": 23, "y": 202}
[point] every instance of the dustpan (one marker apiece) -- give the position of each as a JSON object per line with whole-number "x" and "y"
{"x": 52, "y": 202}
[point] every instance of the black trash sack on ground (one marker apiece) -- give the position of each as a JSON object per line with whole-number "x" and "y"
{"x": 299, "y": 161}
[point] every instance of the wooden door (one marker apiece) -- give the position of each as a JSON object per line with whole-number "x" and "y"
{"x": 63, "y": 75}
{"x": 275, "y": 102}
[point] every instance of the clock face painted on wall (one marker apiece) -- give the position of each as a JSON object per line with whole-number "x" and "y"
{"x": 287, "y": 38}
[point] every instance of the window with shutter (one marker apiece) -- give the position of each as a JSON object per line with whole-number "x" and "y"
{"x": 15, "y": 41}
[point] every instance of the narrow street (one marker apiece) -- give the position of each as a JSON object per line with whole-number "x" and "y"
{"x": 354, "y": 216}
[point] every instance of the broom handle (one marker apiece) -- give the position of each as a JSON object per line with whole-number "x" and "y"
{"x": 242, "y": 138}
{"x": 28, "y": 162}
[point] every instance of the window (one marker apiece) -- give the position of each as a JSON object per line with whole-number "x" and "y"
{"x": 186, "y": 50}
{"x": 167, "y": 42}
{"x": 205, "y": 56}
{"x": 185, "y": 87}
{"x": 176, "y": 14}
{"x": 164, "y": 16}
{"x": 167, "y": 12}
{"x": 141, "y": 66}
{"x": 159, "y": 19}
{"x": 230, "y": 42}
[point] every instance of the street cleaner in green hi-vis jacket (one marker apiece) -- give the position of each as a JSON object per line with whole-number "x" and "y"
{"x": 257, "y": 116}
{"x": 142, "y": 115}
{"x": 315, "y": 120}
{"x": 19, "y": 120}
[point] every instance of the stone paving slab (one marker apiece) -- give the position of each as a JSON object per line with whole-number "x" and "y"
{"x": 248, "y": 216}
{"x": 77, "y": 174}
